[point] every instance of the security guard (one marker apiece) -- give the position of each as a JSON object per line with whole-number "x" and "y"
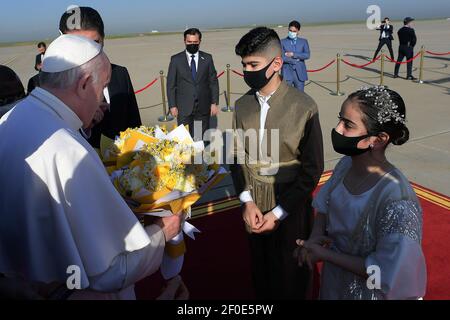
{"x": 407, "y": 39}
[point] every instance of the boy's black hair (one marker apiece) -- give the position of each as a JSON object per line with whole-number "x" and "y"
{"x": 90, "y": 20}
{"x": 193, "y": 32}
{"x": 41, "y": 44}
{"x": 295, "y": 24}
{"x": 257, "y": 40}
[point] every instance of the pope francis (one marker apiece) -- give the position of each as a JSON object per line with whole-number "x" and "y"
{"x": 59, "y": 212}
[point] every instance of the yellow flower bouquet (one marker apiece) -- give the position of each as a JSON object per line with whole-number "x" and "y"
{"x": 159, "y": 170}
{"x": 160, "y": 173}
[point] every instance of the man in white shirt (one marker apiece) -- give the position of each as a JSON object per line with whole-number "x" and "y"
{"x": 60, "y": 215}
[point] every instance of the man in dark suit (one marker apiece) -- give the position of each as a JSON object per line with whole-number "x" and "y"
{"x": 192, "y": 85}
{"x": 33, "y": 82}
{"x": 39, "y": 57}
{"x": 386, "y": 30}
{"x": 407, "y": 38}
{"x": 119, "y": 110}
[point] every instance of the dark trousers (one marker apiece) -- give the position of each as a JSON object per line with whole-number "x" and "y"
{"x": 408, "y": 52}
{"x": 296, "y": 83}
{"x": 190, "y": 119}
{"x": 388, "y": 43}
{"x": 275, "y": 272}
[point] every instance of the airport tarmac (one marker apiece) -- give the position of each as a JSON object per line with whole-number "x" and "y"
{"x": 425, "y": 159}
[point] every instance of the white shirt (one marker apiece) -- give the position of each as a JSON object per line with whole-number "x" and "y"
{"x": 383, "y": 34}
{"x": 246, "y": 196}
{"x": 59, "y": 208}
{"x": 189, "y": 58}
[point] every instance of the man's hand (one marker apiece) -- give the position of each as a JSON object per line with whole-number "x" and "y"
{"x": 174, "y": 111}
{"x": 270, "y": 223}
{"x": 214, "y": 110}
{"x": 252, "y": 216}
{"x": 289, "y": 54}
{"x": 171, "y": 226}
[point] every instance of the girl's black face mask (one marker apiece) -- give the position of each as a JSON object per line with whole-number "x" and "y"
{"x": 347, "y": 145}
{"x": 257, "y": 79}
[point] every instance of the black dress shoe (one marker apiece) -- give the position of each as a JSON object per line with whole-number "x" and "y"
{"x": 411, "y": 78}
{"x": 395, "y": 76}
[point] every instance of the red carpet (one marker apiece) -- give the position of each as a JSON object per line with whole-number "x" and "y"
{"x": 217, "y": 263}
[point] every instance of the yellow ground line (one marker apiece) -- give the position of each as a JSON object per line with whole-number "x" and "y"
{"x": 428, "y": 195}
{"x": 431, "y": 198}
{"x": 215, "y": 207}
{"x": 442, "y": 197}
{"x": 217, "y": 202}
{"x": 227, "y": 204}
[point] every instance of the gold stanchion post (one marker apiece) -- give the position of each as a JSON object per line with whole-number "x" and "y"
{"x": 338, "y": 77}
{"x": 422, "y": 52}
{"x": 228, "y": 108}
{"x": 382, "y": 69}
{"x": 165, "y": 117}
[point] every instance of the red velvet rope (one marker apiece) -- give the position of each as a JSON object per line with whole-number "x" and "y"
{"x": 147, "y": 86}
{"x": 324, "y": 67}
{"x": 404, "y": 62}
{"x": 438, "y": 53}
{"x": 360, "y": 65}
{"x": 238, "y": 73}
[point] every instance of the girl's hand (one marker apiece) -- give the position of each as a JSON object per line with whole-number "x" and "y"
{"x": 312, "y": 250}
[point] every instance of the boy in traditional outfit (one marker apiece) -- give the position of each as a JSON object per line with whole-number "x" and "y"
{"x": 275, "y": 184}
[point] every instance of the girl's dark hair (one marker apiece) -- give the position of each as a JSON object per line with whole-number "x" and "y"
{"x": 397, "y": 131}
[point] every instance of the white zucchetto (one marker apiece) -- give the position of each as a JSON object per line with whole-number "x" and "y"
{"x": 69, "y": 51}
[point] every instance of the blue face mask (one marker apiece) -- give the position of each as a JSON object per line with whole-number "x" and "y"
{"x": 292, "y": 35}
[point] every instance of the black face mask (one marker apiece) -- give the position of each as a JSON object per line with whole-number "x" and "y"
{"x": 347, "y": 145}
{"x": 257, "y": 79}
{"x": 192, "y": 48}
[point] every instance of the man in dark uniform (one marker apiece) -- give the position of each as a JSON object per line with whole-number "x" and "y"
{"x": 39, "y": 57}
{"x": 119, "y": 110}
{"x": 407, "y": 39}
{"x": 192, "y": 85}
{"x": 386, "y": 30}
{"x": 33, "y": 82}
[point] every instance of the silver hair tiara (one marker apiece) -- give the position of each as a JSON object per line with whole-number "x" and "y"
{"x": 383, "y": 101}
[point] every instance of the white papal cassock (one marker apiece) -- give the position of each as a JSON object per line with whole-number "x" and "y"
{"x": 58, "y": 207}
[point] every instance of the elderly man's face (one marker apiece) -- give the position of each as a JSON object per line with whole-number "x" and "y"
{"x": 93, "y": 91}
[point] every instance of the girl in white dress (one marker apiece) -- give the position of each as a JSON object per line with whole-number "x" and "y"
{"x": 368, "y": 227}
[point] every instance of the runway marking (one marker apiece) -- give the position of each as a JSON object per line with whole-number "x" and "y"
{"x": 8, "y": 62}
{"x": 429, "y": 136}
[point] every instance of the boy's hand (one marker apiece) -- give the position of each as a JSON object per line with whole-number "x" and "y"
{"x": 270, "y": 223}
{"x": 252, "y": 216}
